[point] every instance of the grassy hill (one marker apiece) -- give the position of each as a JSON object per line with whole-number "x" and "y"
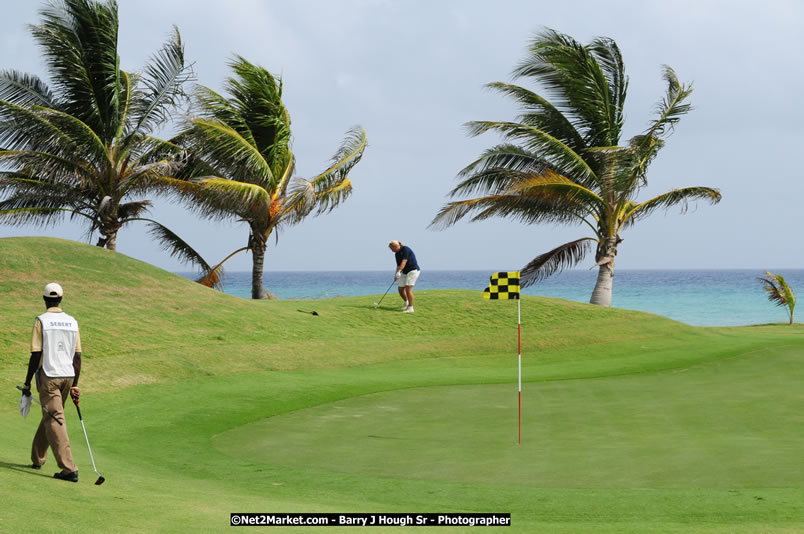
{"x": 199, "y": 404}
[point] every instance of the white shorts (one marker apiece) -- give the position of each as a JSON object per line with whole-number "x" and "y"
{"x": 409, "y": 279}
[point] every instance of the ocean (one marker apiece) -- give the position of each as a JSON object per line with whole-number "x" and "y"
{"x": 695, "y": 297}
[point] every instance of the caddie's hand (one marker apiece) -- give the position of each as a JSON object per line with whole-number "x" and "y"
{"x": 75, "y": 392}
{"x": 26, "y": 390}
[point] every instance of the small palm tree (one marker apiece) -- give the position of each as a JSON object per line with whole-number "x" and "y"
{"x": 563, "y": 162}
{"x": 240, "y": 164}
{"x": 84, "y": 146}
{"x": 779, "y": 292}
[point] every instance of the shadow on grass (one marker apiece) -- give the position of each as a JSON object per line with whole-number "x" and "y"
{"x": 23, "y": 468}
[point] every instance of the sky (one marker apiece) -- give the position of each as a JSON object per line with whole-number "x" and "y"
{"x": 412, "y": 73}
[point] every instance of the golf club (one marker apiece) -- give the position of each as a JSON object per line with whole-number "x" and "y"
{"x": 100, "y": 480}
{"x": 376, "y": 304}
{"x": 43, "y": 407}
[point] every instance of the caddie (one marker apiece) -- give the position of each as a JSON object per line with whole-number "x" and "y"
{"x": 56, "y": 364}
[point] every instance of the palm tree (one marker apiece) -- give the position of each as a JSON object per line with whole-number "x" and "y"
{"x": 241, "y": 165}
{"x": 562, "y": 161}
{"x": 85, "y": 146}
{"x": 779, "y": 292}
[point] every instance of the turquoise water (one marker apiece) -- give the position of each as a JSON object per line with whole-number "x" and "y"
{"x": 695, "y": 297}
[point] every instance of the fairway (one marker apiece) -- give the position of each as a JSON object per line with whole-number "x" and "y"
{"x": 205, "y": 405}
{"x": 715, "y": 425}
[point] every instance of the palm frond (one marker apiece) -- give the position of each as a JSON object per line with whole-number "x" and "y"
{"x": 38, "y": 216}
{"x": 608, "y": 55}
{"x": 539, "y": 113}
{"x": 558, "y": 189}
{"x": 23, "y": 191}
{"x": 163, "y": 91}
{"x": 615, "y": 177}
{"x": 25, "y": 90}
{"x": 45, "y": 168}
{"x": 559, "y": 155}
{"x": 214, "y": 276}
{"x": 545, "y": 207}
{"x": 566, "y": 256}
{"x": 217, "y": 108}
{"x": 299, "y": 202}
{"x": 175, "y": 153}
{"x": 176, "y": 246}
{"x": 497, "y": 169}
{"x": 218, "y": 198}
{"x": 573, "y": 75}
{"x": 332, "y": 186}
{"x": 257, "y": 94}
{"x": 774, "y": 293}
{"x": 779, "y": 292}
{"x": 673, "y": 106}
{"x": 128, "y": 83}
{"x": 224, "y": 149}
{"x": 92, "y": 146}
{"x": 286, "y": 175}
{"x": 79, "y": 42}
{"x": 328, "y": 199}
{"x": 133, "y": 210}
{"x": 625, "y": 207}
{"x": 23, "y": 128}
{"x": 672, "y": 198}
{"x": 147, "y": 177}
{"x": 531, "y": 199}
{"x": 790, "y": 297}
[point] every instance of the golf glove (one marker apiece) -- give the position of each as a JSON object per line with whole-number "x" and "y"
{"x": 25, "y": 405}
{"x": 396, "y": 275}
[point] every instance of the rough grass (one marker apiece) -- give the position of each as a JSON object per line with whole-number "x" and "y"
{"x": 199, "y": 404}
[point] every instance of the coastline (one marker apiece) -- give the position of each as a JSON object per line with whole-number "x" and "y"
{"x": 698, "y": 297}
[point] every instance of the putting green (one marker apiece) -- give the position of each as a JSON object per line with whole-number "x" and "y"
{"x": 716, "y": 425}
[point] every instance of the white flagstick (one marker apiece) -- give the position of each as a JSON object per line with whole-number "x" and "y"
{"x": 519, "y": 339}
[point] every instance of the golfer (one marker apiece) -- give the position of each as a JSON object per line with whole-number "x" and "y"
{"x": 407, "y": 272}
{"x": 56, "y": 364}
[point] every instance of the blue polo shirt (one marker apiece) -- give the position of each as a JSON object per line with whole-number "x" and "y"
{"x": 404, "y": 253}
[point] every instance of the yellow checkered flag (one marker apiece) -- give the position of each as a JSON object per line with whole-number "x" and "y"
{"x": 503, "y": 286}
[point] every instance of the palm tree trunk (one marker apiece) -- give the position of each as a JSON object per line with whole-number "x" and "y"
{"x": 108, "y": 241}
{"x": 258, "y": 247}
{"x": 108, "y": 232}
{"x": 606, "y": 251}
{"x": 604, "y": 285}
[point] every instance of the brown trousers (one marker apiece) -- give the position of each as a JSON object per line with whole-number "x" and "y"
{"x": 53, "y": 394}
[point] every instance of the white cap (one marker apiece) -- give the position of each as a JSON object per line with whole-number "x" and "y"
{"x": 53, "y": 290}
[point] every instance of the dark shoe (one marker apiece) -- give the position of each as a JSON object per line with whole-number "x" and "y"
{"x": 70, "y": 477}
{"x": 35, "y": 466}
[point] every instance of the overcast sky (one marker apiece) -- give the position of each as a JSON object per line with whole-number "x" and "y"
{"x": 412, "y": 73}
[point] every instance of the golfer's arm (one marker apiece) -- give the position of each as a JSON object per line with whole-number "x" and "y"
{"x": 401, "y": 266}
{"x": 76, "y": 368}
{"x": 33, "y": 365}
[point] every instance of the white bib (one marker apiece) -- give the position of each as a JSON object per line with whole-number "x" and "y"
{"x": 59, "y": 334}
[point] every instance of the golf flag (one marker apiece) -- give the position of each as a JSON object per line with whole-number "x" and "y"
{"x": 503, "y": 286}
